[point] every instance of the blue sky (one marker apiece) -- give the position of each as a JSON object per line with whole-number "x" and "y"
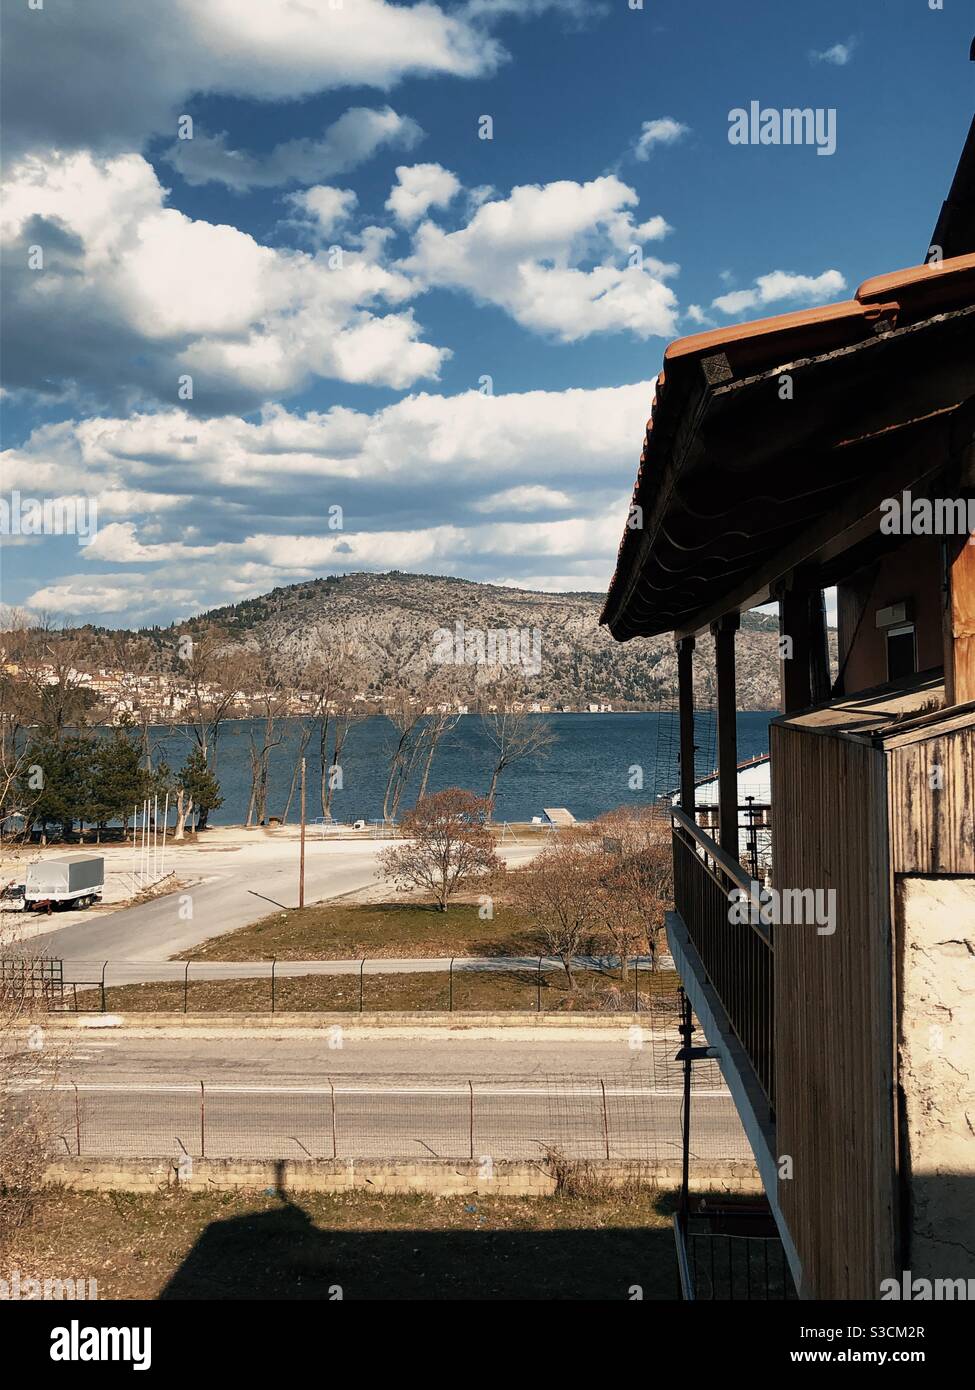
{"x": 357, "y": 381}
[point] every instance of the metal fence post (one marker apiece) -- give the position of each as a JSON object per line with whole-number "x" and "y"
{"x": 77, "y": 1120}
{"x": 471, "y": 1085}
{"x": 331, "y": 1087}
{"x": 186, "y": 988}
{"x": 636, "y": 984}
{"x": 450, "y": 987}
{"x": 538, "y": 987}
{"x": 203, "y": 1121}
{"x": 104, "y": 968}
{"x": 274, "y": 961}
{"x": 602, "y": 1087}
{"x": 361, "y": 970}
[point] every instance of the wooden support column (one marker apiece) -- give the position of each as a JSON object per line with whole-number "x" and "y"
{"x": 820, "y": 684}
{"x": 960, "y": 621}
{"x": 794, "y": 646}
{"x": 724, "y": 650}
{"x": 685, "y": 700}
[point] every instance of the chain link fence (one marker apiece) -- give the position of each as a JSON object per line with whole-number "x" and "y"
{"x": 525, "y": 984}
{"x": 624, "y": 1118}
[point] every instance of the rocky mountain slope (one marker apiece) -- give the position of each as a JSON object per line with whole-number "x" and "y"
{"x": 395, "y": 619}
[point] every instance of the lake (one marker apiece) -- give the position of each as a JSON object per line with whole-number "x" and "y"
{"x": 591, "y": 768}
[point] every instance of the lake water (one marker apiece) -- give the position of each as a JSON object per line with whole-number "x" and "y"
{"x": 589, "y": 769}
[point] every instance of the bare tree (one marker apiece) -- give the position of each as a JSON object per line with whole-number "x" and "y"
{"x": 446, "y": 843}
{"x": 515, "y": 734}
{"x": 269, "y": 688}
{"x": 634, "y": 878}
{"x": 405, "y": 712}
{"x": 28, "y": 1072}
{"x": 334, "y": 676}
{"x": 557, "y": 891}
{"x": 19, "y": 710}
{"x": 212, "y": 673}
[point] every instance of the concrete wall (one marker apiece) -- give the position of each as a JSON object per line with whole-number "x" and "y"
{"x": 514, "y": 1178}
{"x": 936, "y": 931}
{"x": 350, "y": 1020}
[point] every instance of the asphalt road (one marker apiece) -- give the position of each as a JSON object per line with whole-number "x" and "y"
{"x": 232, "y": 895}
{"x": 361, "y": 1095}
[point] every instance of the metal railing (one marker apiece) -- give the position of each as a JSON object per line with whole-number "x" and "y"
{"x": 732, "y": 1253}
{"x": 737, "y": 956}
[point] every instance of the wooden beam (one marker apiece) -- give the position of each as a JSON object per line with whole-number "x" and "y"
{"x": 724, "y": 652}
{"x": 961, "y": 581}
{"x": 685, "y": 693}
{"x": 820, "y": 684}
{"x": 911, "y": 458}
{"x": 795, "y": 692}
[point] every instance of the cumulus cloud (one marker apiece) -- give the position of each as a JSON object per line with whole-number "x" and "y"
{"x": 351, "y": 140}
{"x": 663, "y": 131}
{"x": 115, "y": 74}
{"x": 526, "y": 498}
{"x": 838, "y": 55}
{"x": 550, "y": 256}
{"x": 520, "y": 487}
{"x": 779, "y": 286}
{"x": 418, "y": 188}
{"x": 323, "y": 210}
{"x": 134, "y": 295}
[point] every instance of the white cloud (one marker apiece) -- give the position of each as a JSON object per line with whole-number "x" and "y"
{"x": 134, "y": 295}
{"x": 418, "y": 188}
{"x": 782, "y": 285}
{"x": 663, "y": 131}
{"x": 243, "y": 506}
{"x": 525, "y": 499}
{"x": 114, "y": 74}
{"x": 532, "y": 254}
{"x": 838, "y": 55}
{"x": 698, "y": 317}
{"x": 324, "y": 209}
{"x": 351, "y": 140}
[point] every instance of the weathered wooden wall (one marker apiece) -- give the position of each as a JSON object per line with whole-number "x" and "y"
{"x": 932, "y": 799}
{"x": 834, "y": 1044}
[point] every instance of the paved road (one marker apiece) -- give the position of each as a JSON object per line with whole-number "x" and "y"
{"x": 233, "y": 895}
{"x": 375, "y": 1097}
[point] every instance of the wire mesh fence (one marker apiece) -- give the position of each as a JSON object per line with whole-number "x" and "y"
{"x": 528, "y": 984}
{"x": 621, "y": 1118}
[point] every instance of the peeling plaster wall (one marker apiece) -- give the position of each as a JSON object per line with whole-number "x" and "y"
{"x": 936, "y": 920}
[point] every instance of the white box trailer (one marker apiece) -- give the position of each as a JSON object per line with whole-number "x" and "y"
{"x": 75, "y": 879}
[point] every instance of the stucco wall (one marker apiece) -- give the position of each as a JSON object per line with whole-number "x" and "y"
{"x": 936, "y": 919}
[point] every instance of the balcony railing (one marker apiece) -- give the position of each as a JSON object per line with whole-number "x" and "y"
{"x": 737, "y": 955}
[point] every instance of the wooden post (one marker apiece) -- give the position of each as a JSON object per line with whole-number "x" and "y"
{"x": 685, "y": 700}
{"x": 960, "y": 621}
{"x": 820, "y": 684}
{"x": 794, "y": 645}
{"x": 301, "y": 865}
{"x": 724, "y": 647}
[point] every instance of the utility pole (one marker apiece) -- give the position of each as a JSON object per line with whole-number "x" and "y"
{"x": 301, "y": 865}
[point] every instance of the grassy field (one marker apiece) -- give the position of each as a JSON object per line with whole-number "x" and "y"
{"x": 343, "y": 931}
{"x": 495, "y": 990}
{"x": 237, "y": 1246}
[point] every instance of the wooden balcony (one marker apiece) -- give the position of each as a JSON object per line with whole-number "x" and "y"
{"x": 737, "y": 957}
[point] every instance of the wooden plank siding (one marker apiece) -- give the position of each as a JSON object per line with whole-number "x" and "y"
{"x": 932, "y": 828}
{"x": 834, "y": 1042}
